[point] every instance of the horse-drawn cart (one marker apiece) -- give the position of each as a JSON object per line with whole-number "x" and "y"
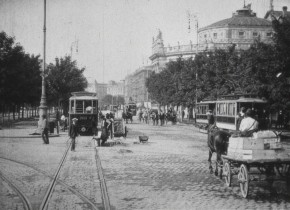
{"x": 255, "y": 159}
{"x": 254, "y": 170}
{"x": 119, "y": 129}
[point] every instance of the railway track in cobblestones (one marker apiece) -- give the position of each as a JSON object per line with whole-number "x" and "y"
{"x": 49, "y": 192}
{"x": 24, "y": 199}
{"x": 80, "y": 195}
{"x": 105, "y": 195}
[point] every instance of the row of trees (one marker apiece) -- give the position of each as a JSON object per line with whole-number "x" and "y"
{"x": 20, "y": 78}
{"x": 262, "y": 70}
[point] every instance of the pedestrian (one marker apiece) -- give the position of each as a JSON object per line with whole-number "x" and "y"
{"x": 182, "y": 115}
{"x": 44, "y": 128}
{"x": 156, "y": 118}
{"x": 73, "y": 133}
{"x": 105, "y": 127}
{"x": 57, "y": 118}
{"x": 240, "y": 117}
{"x": 62, "y": 119}
{"x": 162, "y": 117}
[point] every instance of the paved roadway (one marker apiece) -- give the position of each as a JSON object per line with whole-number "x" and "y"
{"x": 168, "y": 172}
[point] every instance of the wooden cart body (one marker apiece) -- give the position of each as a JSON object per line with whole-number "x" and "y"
{"x": 273, "y": 169}
{"x": 119, "y": 128}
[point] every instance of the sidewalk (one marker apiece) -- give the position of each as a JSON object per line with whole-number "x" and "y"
{"x": 23, "y": 129}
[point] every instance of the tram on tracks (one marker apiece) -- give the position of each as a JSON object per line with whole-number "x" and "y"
{"x": 84, "y": 106}
{"x": 133, "y": 107}
{"x": 226, "y": 108}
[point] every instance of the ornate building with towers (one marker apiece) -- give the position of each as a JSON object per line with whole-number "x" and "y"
{"x": 242, "y": 29}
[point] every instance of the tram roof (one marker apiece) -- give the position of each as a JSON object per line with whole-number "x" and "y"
{"x": 244, "y": 100}
{"x": 84, "y": 95}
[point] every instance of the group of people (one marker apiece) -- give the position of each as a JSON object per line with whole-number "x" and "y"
{"x": 158, "y": 117}
{"x": 73, "y": 131}
{"x": 107, "y": 122}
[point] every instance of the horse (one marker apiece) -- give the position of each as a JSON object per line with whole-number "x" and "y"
{"x": 217, "y": 142}
{"x": 127, "y": 116}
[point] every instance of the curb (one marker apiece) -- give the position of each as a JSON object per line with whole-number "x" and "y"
{"x": 30, "y": 136}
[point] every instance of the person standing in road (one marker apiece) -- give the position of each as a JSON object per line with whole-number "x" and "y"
{"x": 73, "y": 133}
{"x": 182, "y": 115}
{"x": 44, "y": 128}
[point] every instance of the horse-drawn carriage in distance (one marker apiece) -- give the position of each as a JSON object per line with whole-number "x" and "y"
{"x": 261, "y": 154}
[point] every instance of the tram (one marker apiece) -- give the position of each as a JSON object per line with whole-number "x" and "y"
{"x": 226, "y": 108}
{"x": 84, "y": 107}
{"x": 132, "y": 107}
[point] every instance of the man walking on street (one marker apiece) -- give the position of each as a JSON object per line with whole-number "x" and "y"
{"x": 73, "y": 133}
{"x": 44, "y": 128}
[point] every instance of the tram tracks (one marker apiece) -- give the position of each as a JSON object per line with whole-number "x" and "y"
{"x": 21, "y": 195}
{"x": 55, "y": 180}
{"x": 105, "y": 195}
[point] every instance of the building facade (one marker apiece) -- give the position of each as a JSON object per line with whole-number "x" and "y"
{"x": 242, "y": 29}
{"x": 101, "y": 90}
{"x": 115, "y": 88}
{"x": 135, "y": 86}
{"x": 92, "y": 85}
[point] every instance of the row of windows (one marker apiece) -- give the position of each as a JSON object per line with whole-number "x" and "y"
{"x": 241, "y": 34}
{"x": 226, "y": 109}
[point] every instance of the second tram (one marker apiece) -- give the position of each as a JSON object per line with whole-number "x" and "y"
{"x": 227, "y": 107}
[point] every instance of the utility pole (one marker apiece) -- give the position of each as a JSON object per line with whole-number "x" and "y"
{"x": 43, "y": 106}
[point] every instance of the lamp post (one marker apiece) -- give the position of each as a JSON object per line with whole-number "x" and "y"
{"x": 43, "y": 106}
{"x": 196, "y": 74}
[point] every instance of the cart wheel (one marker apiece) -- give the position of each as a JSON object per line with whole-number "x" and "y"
{"x": 227, "y": 174}
{"x": 244, "y": 180}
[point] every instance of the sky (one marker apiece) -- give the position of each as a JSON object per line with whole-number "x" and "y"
{"x": 112, "y": 38}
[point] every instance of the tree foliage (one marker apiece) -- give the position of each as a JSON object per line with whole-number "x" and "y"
{"x": 63, "y": 78}
{"x": 20, "y": 80}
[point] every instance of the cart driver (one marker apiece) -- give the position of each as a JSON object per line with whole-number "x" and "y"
{"x": 248, "y": 125}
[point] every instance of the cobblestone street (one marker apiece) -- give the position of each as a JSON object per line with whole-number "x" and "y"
{"x": 168, "y": 172}
{"x": 171, "y": 172}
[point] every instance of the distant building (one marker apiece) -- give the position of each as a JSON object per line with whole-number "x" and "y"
{"x": 115, "y": 88}
{"x": 242, "y": 29}
{"x": 92, "y": 85}
{"x": 135, "y": 86}
{"x": 101, "y": 90}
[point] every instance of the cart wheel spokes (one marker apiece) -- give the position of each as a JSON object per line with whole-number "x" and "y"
{"x": 244, "y": 180}
{"x": 227, "y": 174}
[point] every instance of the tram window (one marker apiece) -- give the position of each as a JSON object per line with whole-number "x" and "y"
{"x": 79, "y": 106}
{"x": 221, "y": 109}
{"x": 72, "y": 106}
{"x": 88, "y": 106}
{"x": 231, "y": 109}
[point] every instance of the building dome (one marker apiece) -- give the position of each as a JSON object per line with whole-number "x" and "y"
{"x": 242, "y": 29}
{"x": 242, "y": 18}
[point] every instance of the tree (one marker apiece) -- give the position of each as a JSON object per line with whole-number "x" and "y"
{"x": 63, "y": 78}
{"x": 20, "y": 81}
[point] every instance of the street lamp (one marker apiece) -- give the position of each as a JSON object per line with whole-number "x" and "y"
{"x": 43, "y": 106}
